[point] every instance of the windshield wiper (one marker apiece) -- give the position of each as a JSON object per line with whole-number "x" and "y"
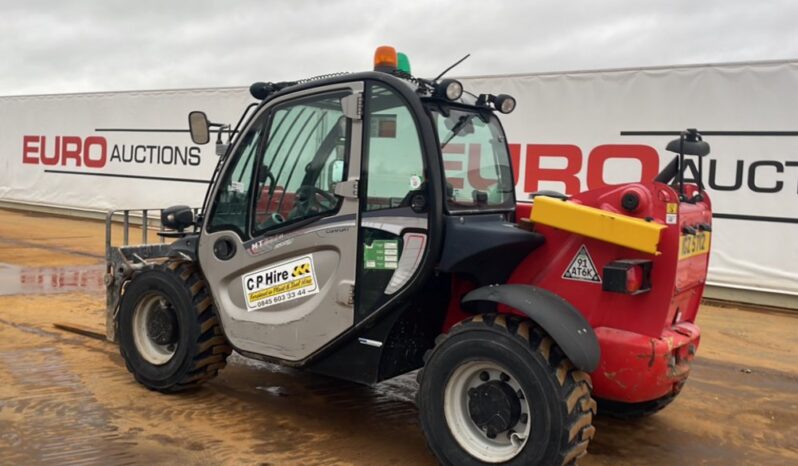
{"x": 461, "y": 123}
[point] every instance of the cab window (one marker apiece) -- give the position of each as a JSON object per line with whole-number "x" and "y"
{"x": 394, "y": 157}
{"x": 232, "y": 200}
{"x": 475, "y": 160}
{"x": 303, "y": 159}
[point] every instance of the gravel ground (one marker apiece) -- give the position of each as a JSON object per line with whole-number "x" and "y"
{"x": 67, "y": 399}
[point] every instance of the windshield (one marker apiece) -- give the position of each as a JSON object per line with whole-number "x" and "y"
{"x": 475, "y": 160}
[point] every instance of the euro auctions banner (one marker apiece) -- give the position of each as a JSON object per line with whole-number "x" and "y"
{"x": 570, "y": 132}
{"x": 110, "y": 150}
{"x": 576, "y": 131}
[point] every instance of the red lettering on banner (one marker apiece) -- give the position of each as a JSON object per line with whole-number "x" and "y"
{"x": 28, "y": 148}
{"x": 647, "y": 155}
{"x": 475, "y": 178}
{"x": 454, "y": 165}
{"x": 568, "y": 175}
{"x": 91, "y": 152}
{"x": 515, "y": 161}
{"x": 71, "y": 149}
{"x": 50, "y": 159}
{"x": 102, "y": 145}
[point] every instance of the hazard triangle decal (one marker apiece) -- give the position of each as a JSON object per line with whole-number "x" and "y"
{"x": 582, "y": 268}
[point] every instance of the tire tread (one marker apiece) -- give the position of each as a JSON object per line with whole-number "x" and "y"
{"x": 212, "y": 347}
{"x": 576, "y": 385}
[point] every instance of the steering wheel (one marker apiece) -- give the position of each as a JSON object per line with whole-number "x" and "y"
{"x": 308, "y": 202}
{"x": 328, "y": 197}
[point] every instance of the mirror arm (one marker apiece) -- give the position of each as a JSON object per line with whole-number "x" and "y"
{"x": 681, "y": 166}
{"x": 669, "y": 172}
{"x": 222, "y": 127}
{"x": 221, "y": 147}
{"x": 700, "y": 175}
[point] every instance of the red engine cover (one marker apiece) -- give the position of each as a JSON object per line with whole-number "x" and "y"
{"x": 632, "y": 329}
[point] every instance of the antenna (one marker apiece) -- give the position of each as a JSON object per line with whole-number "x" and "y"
{"x": 450, "y": 68}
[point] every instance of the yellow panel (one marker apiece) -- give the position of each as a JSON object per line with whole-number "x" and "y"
{"x": 622, "y": 230}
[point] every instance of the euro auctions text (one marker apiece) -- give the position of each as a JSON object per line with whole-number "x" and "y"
{"x": 97, "y": 152}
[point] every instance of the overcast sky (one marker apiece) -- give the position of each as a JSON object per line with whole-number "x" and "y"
{"x": 58, "y": 46}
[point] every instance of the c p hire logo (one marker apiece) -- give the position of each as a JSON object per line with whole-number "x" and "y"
{"x": 280, "y": 283}
{"x": 96, "y": 152}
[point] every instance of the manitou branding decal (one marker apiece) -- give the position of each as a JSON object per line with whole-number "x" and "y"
{"x": 280, "y": 283}
{"x": 94, "y": 152}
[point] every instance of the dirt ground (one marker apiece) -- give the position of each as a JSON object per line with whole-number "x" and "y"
{"x": 67, "y": 399}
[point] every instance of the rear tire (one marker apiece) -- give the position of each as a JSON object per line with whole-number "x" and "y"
{"x": 169, "y": 335}
{"x": 553, "y": 394}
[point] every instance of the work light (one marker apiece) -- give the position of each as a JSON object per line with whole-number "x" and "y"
{"x": 504, "y": 103}
{"x": 451, "y": 89}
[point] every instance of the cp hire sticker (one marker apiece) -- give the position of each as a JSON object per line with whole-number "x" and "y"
{"x": 280, "y": 283}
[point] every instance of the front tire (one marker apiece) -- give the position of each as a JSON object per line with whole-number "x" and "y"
{"x": 497, "y": 389}
{"x": 169, "y": 335}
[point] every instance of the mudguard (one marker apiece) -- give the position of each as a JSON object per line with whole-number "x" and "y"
{"x": 566, "y": 325}
{"x": 185, "y": 247}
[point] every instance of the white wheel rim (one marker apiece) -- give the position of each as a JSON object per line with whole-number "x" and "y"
{"x": 508, "y": 444}
{"x": 151, "y": 351}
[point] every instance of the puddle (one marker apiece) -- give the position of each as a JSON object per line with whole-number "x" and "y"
{"x": 46, "y": 280}
{"x": 273, "y": 390}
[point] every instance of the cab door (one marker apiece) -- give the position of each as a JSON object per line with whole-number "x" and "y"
{"x": 279, "y": 243}
{"x": 397, "y": 200}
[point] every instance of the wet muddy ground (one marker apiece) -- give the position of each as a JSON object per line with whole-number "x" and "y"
{"x": 67, "y": 399}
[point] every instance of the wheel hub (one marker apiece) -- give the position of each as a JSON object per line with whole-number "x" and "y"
{"x": 494, "y": 407}
{"x": 162, "y": 326}
{"x": 487, "y": 411}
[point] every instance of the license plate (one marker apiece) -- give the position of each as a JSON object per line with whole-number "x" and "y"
{"x": 694, "y": 245}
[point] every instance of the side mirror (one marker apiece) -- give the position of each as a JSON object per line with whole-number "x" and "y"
{"x": 200, "y": 127}
{"x": 690, "y": 142}
{"x": 177, "y": 217}
{"x": 699, "y": 148}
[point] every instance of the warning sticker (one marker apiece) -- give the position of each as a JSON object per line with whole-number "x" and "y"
{"x": 582, "y": 268}
{"x": 280, "y": 283}
{"x": 382, "y": 254}
{"x": 671, "y": 213}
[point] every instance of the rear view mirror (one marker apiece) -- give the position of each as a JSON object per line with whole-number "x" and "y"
{"x": 699, "y": 148}
{"x": 177, "y": 217}
{"x": 690, "y": 142}
{"x": 200, "y": 127}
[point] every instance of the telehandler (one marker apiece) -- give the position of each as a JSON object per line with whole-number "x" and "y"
{"x": 365, "y": 225}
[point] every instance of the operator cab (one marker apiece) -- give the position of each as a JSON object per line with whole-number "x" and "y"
{"x": 330, "y": 208}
